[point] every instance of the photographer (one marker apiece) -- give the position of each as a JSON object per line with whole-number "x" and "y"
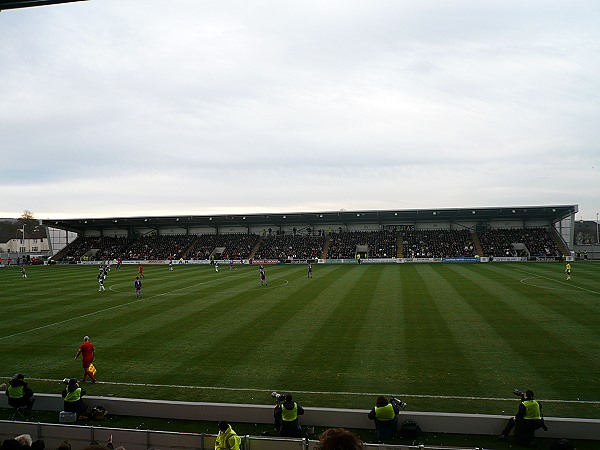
{"x": 286, "y": 416}
{"x": 72, "y": 396}
{"x": 385, "y": 415}
{"x": 19, "y": 393}
{"x": 528, "y": 419}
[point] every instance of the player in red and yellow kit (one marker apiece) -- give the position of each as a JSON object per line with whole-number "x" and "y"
{"x": 86, "y": 350}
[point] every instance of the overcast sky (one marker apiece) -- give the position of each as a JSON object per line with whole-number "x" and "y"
{"x": 135, "y": 107}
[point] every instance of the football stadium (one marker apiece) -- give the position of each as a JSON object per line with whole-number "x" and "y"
{"x": 253, "y": 230}
{"x": 448, "y": 311}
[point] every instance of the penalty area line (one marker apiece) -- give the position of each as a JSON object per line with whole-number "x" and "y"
{"x": 361, "y": 394}
{"x": 563, "y": 283}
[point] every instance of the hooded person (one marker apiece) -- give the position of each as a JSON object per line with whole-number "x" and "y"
{"x": 19, "y": 393}
{"x": 227, "y": 438}
{"x": 72, "y": 396}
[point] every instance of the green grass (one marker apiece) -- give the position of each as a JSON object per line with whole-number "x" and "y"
{"x": 443, "y": 337}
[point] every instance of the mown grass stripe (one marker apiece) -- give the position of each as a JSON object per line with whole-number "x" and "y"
{"x": 222, "y": 330}
{"x": 527, "y": 327}
{"x": 431, "y": 347}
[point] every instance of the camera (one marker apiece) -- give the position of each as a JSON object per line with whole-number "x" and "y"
{"x": 397, "y": 402}
{"x": 66, "y": 380}
{"x": 277, "y": 396}
{"x": 518, "y": 392}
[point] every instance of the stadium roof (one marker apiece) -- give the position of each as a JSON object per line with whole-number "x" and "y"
{"x": 321, "y": 219}
{"x": 4, "y": 4}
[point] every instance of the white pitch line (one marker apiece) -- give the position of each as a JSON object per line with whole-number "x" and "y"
{"x": 67, "y": 320}
{"x": 361, "y": 394}
{"x": 556, "y": 281}
{"x": 111, "y": 308}
{"x": 98, "y": 311}
{"x": 523, "y": 281}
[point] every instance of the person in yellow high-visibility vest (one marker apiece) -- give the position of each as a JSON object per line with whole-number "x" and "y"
{"x": 385, "y": 416}
{"x": 19, "y": 393}
{"x": 72, "y": 396}
{"x": 286, "y": 417}
{"x": 528, "y": 419}
{"x": 227, "y": 439}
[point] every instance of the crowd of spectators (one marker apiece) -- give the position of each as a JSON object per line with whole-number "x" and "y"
{"x": 104, "y": 247}
{"x": 499, "y": 242}
{"x": 202, "y": 247}
{"x": 586, "y": 232}
{"x": 381, "y": 244}
{"x": 341, "y": 245}
{"x": 539, "y": 242}
{"x": 290, "y": 247}
{"x": 437, "y": 244}
{"x": 236, "y": 246}
{"x": 170, "y": 246}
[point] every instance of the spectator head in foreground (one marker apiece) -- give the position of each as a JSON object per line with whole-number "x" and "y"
{"x": 339, "y": 439}
{"x": 24, "y": 440}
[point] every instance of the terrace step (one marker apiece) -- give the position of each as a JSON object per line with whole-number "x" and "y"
{"x": 477, "y": 243}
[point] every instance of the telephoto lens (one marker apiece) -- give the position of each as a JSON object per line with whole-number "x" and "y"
{"x": 399, "y": 403}
{"x": 277, "y": 396}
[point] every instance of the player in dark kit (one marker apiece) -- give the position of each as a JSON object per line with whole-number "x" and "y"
{"x": 101, "y": 278}
{"x": 138, "y": 286}
{"x": 309, "y": 269}
{"x": 263, "y": 276}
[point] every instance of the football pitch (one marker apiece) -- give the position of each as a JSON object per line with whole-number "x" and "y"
{"x": 443, "y": 337}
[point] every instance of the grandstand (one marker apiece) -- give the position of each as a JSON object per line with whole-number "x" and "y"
{"x": 528, "y": 232}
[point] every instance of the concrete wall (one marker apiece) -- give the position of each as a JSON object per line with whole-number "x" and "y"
{"x": 429, "y": 422}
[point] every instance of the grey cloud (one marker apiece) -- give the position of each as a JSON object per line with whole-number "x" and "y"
{"x": 422, "y": 96}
